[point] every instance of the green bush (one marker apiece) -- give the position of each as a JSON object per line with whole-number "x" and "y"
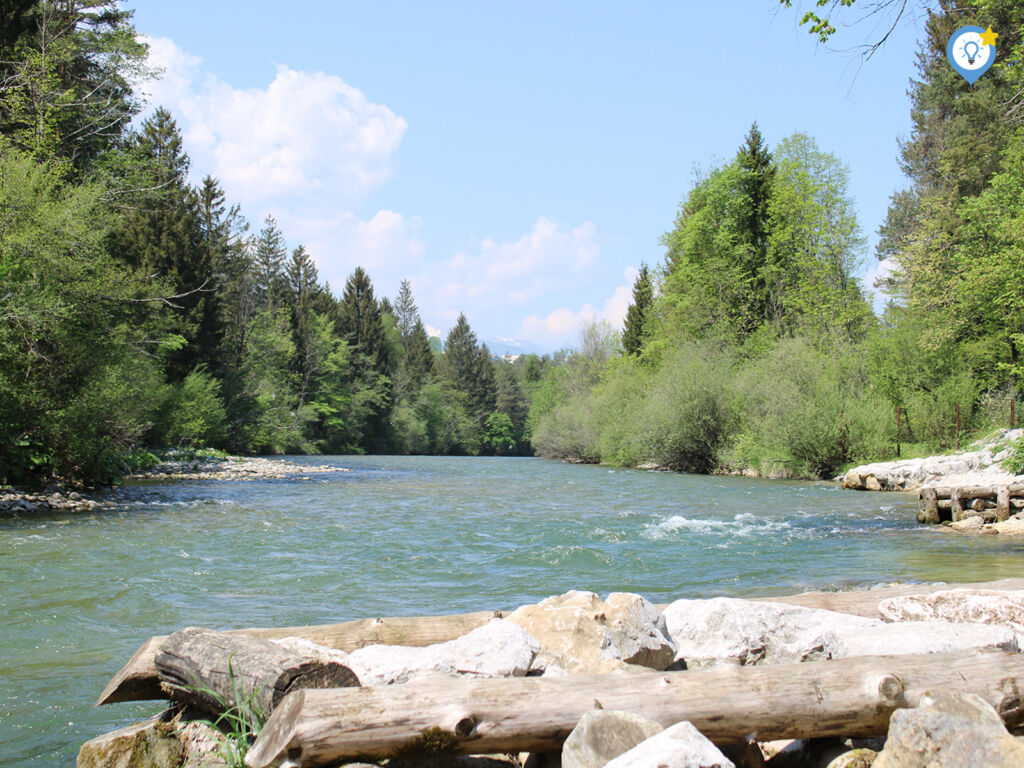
{"x": 688, "y": 411}
{"x": 193, "y": 413}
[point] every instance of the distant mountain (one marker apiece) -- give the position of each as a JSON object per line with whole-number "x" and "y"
{"x": 500, "y": 345}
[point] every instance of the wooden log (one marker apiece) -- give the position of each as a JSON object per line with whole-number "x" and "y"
{"x": 137, "y": 680}
{"x": 956, "y": 504}
{"x": 217, "y": 672}
{"x": 1003, "y": 504}
{"x": 851, "y": 697}
{"x": 945, "y": 505}
{"x": 929, "y": 513}
{"x": 979, "y": 492}
{"x": 1016, "y": 503}
{"x": 1016, "y": 489}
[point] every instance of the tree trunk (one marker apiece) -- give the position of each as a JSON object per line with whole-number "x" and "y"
{"x": 137, "y": 680}
{"x": 218, "y": 672}
{"x": 846, "y": 697}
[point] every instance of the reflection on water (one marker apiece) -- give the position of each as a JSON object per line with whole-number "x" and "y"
{"x": 412, "y": 535}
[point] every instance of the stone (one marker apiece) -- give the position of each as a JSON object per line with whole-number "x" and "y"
{"x": 1014, "y": 526}
{"x": 602, "y": 735}
{"x": 497, "y": 649}
{"x": 975, "y": 606}
{"x": 874, "y": 484}
{"x": 853, "y": 480}
{"x": 949, "y": 729}
{"x": 918, "y": 637}
{"x": 855, "y": 758}
{"x": 680, "y": 746}
{"x": 726, "y": 630}
{"x": 151, "y": 743}
{"x": 581, "y": 633}
{"x": 804, "y": 753}
{"x": 972, "y": 524}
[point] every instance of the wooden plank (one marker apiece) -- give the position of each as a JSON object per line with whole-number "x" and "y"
{"x": 846, "y": 698}
{"x": 137, "y": 680}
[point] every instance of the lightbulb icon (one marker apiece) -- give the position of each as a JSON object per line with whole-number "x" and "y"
{"x": 971, "y": 54}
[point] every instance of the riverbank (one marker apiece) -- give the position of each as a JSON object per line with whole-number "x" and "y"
{"x": 981, "y": 465}
{"x": 14, "y": 501}
{"x": 233, "y": 468}
{"x": 820, "y": 655}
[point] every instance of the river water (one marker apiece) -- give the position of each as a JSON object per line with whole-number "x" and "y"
{"x": 409, "y": 536}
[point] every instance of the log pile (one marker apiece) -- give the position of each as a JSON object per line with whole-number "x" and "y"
{"x": 305, "y": 681}
{"x": 952, "y": 504}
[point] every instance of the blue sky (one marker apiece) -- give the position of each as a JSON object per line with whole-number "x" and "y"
{"x": 515, "y": 162}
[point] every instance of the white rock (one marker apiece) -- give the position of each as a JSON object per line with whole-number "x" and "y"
{"x": 680, "y": 746}
{"x": 602, "y": 735}
{"x": 731, "y": 631}
{"x": 307, "y": 649}
{"x": 497, "y": 649}
{"x": 918, "y": 637}
{"x": 581, "y": 633}
{"x": 975, "y": 606}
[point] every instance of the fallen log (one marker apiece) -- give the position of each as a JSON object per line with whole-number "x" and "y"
{"x": 217, "y": 672}
{"x": 847, "y": 697}
{"x": 138, "y": 680}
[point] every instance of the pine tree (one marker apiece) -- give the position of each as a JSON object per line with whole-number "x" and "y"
{"x": 419, "y": 357}
{"x": 756, "y": 185}
{"x": 405, "y": 312}
{"x": 268, "y": 265}
{"x": 360, "y": 324}
{"x": 636, "y": 315}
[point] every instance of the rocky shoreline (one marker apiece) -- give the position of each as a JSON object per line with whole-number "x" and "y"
{"x": 906, "y": 679}
{"x": 229, "y": 468}
{"x": 233, "y": 468}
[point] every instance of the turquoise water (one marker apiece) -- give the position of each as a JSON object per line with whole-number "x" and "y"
{"x": 408, "y": 536}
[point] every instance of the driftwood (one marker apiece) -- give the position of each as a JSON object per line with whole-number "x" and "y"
{"x": 847, "y": 697}
{"x": 216, "y": 672}
{"x": 138, "y": 678}
{"x": 955, "y": 502}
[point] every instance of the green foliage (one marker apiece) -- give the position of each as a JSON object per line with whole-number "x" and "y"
{"x": 498, "y": 433}
{"x": 240, "y": 721}
{"x": 1014, "y": 463}
{"x": 193, "y": 414}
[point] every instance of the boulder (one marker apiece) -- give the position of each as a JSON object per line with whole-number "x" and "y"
{"x": 804, "y": 753}
{"x": 874, "y": 483}
{"x": 853, "y": 480}
{"x": 602, "y": 735}
{"x": 1014, "y": 526}
{"x": 855, "y": 758}
{"x": 731, "y": 631}
{"x": 680, "y": 746}
{"x": 170, "y": 740}
{"x": 581, "y": 633}
{"x": 151, "y": 743}
{"x": 497, "y": 649}
{"x": 918, "y": 637}
{"x": 949, "y": 730}
{"x": 972, "y": 524}
{"x": 975, "y": 606}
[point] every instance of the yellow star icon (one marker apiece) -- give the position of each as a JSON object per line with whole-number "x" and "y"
{"x": 988, "y": 37}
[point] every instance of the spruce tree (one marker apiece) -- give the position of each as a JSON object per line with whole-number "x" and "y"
{"x": 360, "y": 323}
{"x": 636, "y": 315}
{"x": 268, "y": 265}
{"x": 756, "y": 185}
{"x": 419, "y": 357}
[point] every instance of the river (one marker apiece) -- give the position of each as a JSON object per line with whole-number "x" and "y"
{"x": 408, "y": 536}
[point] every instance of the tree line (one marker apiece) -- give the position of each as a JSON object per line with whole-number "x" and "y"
{"x": 138, "y": 311}
{"x": 753, "y": 347}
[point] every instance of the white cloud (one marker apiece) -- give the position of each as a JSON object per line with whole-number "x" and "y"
{"x": 304, "y": 134}
{"x": 562, "y": 327}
